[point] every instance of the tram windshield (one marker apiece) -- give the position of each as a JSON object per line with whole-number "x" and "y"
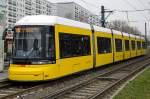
{"x": 34, "y": 43}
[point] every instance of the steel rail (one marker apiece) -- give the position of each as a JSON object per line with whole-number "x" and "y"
{"x": 63, "y": 92}
{"x": 98, "y": 95}
{"x": 4, "y": 83}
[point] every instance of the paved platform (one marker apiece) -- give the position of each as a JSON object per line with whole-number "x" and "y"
{"x": 3, "y": 76}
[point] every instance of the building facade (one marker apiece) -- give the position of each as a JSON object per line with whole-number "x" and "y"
{"x": 2, "y": 12}
{"x": 2, "y": 27}
{"x": 76, "y": 12}
{"x": 2, "y": 16}
{"x": 17, "y": 9}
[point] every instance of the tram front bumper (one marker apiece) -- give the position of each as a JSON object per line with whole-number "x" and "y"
{"x": 25, "y": 74}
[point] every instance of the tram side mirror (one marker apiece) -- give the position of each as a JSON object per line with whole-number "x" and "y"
{"x": 35, "y": 44}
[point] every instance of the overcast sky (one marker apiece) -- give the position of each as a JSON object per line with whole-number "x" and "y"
{"x": 137, "y": 18}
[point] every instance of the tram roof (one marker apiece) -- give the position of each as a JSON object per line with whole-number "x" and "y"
{"x": 131, "y": 35}
{"x": 143, "y": 38}
{"x": 138, "y": 37}
{"x": 101, "y": 29}
{"x": 50, "y": 20}
{"x": 53, "y": 20}
{"x": 117, "y": 32}
{"x": 125, "y": 34}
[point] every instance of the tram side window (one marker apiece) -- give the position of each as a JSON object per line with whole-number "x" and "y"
{"x": 133, "y": 45}
{"x": 127, "y": 45}
{"x": 138, "y": 44}
{"x": 72, "y": 45}
{"x": 104, "y": 45}
{"x": 144, "y": 45}
{"x": 118, "y": 43}
{"x": 50, "y": 42}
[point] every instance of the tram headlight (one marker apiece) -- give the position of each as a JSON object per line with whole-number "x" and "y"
{"x": 38, "y": 62}
{"x": 41, "y": 62}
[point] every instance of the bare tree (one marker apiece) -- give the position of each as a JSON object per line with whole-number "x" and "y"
{"x": 123, "y": 26}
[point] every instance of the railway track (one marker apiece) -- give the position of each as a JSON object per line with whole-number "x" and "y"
{"x": 9, "y": 89}
{"x": 52, "y": 89}
{"x": 4, "y": 83}
{"x": 100, "y": 85}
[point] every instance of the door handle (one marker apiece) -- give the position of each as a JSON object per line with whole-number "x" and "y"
{"x": 88, "y": 61}
{"x": 77, "y": 64}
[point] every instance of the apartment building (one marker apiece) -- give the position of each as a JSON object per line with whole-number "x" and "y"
{"x": 17, "y": 9}
{"x": 2, "y": 11}
{"x": 2, "y": 16}
{"x": 74, "y": 11}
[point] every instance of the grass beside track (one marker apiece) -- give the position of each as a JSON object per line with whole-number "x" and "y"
{"x": 139, "y": 88}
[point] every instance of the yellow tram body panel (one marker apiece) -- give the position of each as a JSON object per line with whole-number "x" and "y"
{"x": 127, "y": 54}
{"x": 143, "y": 48}
{"x": 106, "y": 58}
{"x": 33, "y": 72}
{"x": 138, "y": 51}
{"x": 49, "y": 71}
{"x": 142, "y": 52}
{"x": 73, "y": 64}
{"x": 118, "y": 56}
{"x": 133, "y": 51}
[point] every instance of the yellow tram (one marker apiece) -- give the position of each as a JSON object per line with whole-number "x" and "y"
{"x": 50, "y": 47}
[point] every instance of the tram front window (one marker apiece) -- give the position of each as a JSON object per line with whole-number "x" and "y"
{"x": 34, "y": 44}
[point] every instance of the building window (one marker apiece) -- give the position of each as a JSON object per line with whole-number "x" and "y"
{"x": 127, "y": 45}
{"x": 118, "y": 43}
{"x": 138, "y": 45}
{"x": 133, "y": 45}
{"x": 73, "y": 45}
{"x": 103, "y": 45}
